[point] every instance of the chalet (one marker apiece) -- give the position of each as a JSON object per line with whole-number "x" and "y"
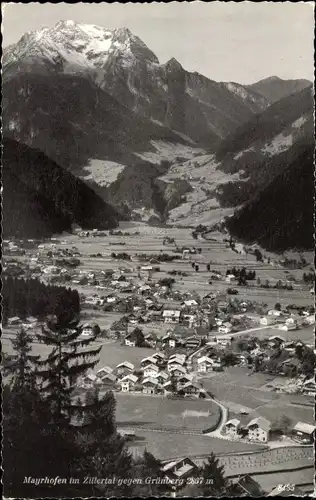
{"x": 190, "y": 303}
{"x": 223, "y": 342}
{"x": 232, "y": 427}
{"x": 178, "y": 360}
{"x": 190, "y": 388}
{"x": 171, "y": 340}
{"x": 151, "y": 339}
{"x": 179, "y": 469}
{"x": 171, "y": 316}
{"x": 189, "y": 319}
{"x": 15, "y": 320}
{"x": 275, "y": 312}
{"x": 176, "y": 370}
{"x": 288, "y": 327}
{"x": 206, "y": 364}
{"x": 125, "y": 368}
{"x": 159, "y": 356}
{"x": 162, "y": 377}
{"x": 192, "y": 342}
{"x": 151, "y": 360}
{"x": 87, "y": 329}
{"x": 128, "y": 382}
{"x": 259, "y": 429}
{"x": 150, "y": 385}
{"x": 105, "y": 370}
{"x": 309, "y": 320}
{"x": 230, "y": 278}
{"x": 304, "y": 433}
{"x": 267, "y": 320}
{"x": 150, "y": 371}
{"x": 294, "y": 319}
{"x": 225, "y": 327}
{"x": 246, "y": 486}
{"x": 309, "y": 387}
{"x": 108, "y": 380}
{"x": 130, "y": 340}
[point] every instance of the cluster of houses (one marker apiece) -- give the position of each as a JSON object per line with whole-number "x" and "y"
{"x": 157, "y": 375}
{"x": 285, "y": 321}
{"x": 259, "y": 429}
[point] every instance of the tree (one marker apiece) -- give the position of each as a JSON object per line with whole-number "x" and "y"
{"x": 173, "y": 384}
{"x": 258, "y": 255}
{"x": 68, "y": 360}
{"x": 145, "y": 467}
{"x": 208, "y": 267}
{"x": 140, "y": 339}
{"x": 283, "y": 424}
{"x": 278, "y": 306}
{"x": 213, "y": 481}
{"x": 196, "y": 267}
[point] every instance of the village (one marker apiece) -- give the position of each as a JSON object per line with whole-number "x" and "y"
{"x": 198, "y": 340}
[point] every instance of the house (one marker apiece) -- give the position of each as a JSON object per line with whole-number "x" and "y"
{"x": 259, "y": 429}
{"x": 159, "y": 356}
{"x": 179, "y": 469}
{"x": 171, "y": 316}
{"x": 189, "y": 319}
{"x": 309, "y": 387}
{"x": 176, "y": 370}
{"x": 151, "y": 339}
{"x": 232, "y": 427}
{"x": 310, "y": 319}
{"x": 125, "y": 367}
{"x": 267, "y": 320}
{"x": 304, "y": 433}
{"x": 206, "y": 364}
{"x": 230, "y": 277}
{"x": 171, "y": 340}
{"x": 184, "y": 379}
{"x": 87, "y": 329}
{"x": 150, "y": 385}
{"x": 192, "y": 342}
{"x": 246, "y": 486}
{"x": 190, "y": 303}
{"x": 288, "y": 327}
{"x": 151, "y": 360}
{"x": 223, "y": 342}
{"x": 128, "y": 382}
{"x": 294, "y": 320}
{"x": 162, "y": 377}
{"x": 108, "y": 380}
{"x": 275, "y": 312}
{"x": 15, "y": 320}
{"x": 225, "y": 327}
{"x": 105, "y": 370}
{"x": 130, "y": 339}
{"x": 276, "y": 340}
{"x": 150, "y": 371}
{"x": 190, "y": 388}
{"x": 179, "y": 356}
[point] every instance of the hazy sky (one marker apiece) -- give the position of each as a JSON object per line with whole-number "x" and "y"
{"x": 242, "y": 42}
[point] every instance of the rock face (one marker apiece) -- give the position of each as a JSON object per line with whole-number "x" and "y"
{"x": 121, "y": 64}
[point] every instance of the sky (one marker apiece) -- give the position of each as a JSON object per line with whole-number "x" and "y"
{"x": 225, "y": 41}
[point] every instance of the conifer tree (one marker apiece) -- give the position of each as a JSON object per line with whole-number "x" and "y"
{"x": 69, "y": 359}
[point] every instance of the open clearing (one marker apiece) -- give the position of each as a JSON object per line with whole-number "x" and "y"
{"x": 170, "y": 445}
{"x": 163, "y": 413}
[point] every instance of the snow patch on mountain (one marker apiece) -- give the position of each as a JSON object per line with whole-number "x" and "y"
{"x": 278, "y": 145}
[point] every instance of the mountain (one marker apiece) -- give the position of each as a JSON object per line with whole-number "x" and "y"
{"x": 262, "y": 148}
{"x": 41, "y": 199}
{"x": 274, "y": 88}
{"x": 73, "y": 121}
{"x": 121, "y": 64}
{"x": 280, "y": 217}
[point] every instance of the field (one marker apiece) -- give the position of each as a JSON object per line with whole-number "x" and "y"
{"x": 162, "y": 413}
{"x": 237, "y": 390}
{"x": 170, "y": 445}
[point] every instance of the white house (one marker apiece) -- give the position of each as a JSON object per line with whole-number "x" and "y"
{"x": 87, "y": 329}
{"x": 151, "y": 360}
{"x": 259, "y": 429}
{"x": 176, "y": 370}
{"x": 150, "y": 371}
{"x": 309, "y": 387}
{"x": 128, "y": 382}
{"x": 206, "y": 364}
{"x": 126, "y": 366}
{"x": 225, "y": 327}
{"x": 232, "y": 427}
{"x": 275, "y": 312}
{"x": 105, "y": 370}
{"x": 150, "y": 385}
{"x": 171, "y": 316}
{"x": 267, "y": 320}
